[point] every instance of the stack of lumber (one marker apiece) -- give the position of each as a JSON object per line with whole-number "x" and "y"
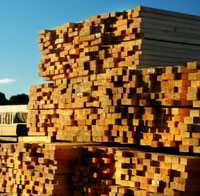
{"x": 94, "y": 172}
{"x": 9, "y": 176}
{"x": 111, "y": 79}
{"x": 71, "y": 169}
{"x": 46, "y": 169}
{"x": 125, "y": 171}
{"x": 99, "y": 90}
{"x": 170, "y": 86}
{"x": 93, "y": 117}
{"x": 157, "y": 107}
{"x": 157, "y": 173}
{"x": 131, "y": 38}
{"x": 116, "y": 78}
{"x": 37, "y": 169}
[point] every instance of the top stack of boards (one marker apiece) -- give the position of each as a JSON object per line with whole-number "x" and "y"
{"x": 136, "y": 38}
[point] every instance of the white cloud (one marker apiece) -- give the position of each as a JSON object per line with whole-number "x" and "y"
{"x": 6, "y": 81}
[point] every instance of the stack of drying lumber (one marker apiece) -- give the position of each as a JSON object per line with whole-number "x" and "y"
{"x": 131, "y": 38}
{"x": 111, "y": 79}
{"x": 94, "y": 171}
{"x": 170, "y": 86}
{"x": 63, "y": 169}
{"x": 37, "y": 169}
{"x": 82, "y": 113}
{"x": 46, "y": 169}
{"x": 124, "y": 171}
{"x": 157, "y": 107}
{"x": 157, "y": 173}
{"x": 9, "y": 176}
{"x": 117, "y": 78}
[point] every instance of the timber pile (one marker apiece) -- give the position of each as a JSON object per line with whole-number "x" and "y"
{"x": 95, "y": 171}
{"x": 46, "y": 169}
{"x": 63, "y": 169}
{"x": 157, "y": 107}
{"x": 131, "y": 38}
{"x": 157, "y": 173}
{"x": 111, "y": 80}
{"x": 100, "y": 90}
{"x": 8, "y": 169}
{"x": 37, "y": 169}
{"x": 124, "y": 171}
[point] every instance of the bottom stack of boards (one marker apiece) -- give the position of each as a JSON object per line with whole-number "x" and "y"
{"x": 78, "y": 170}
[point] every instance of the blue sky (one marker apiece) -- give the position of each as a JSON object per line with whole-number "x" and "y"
{"x": 21, "y": 21}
